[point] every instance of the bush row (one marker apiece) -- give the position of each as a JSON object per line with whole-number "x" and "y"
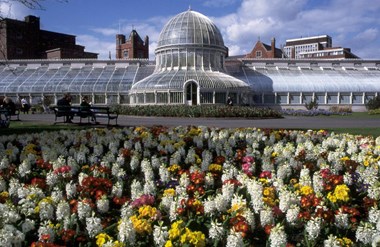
{"x": 198, "y": 111}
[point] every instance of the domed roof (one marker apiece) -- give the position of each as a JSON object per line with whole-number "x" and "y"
{"x": 190, "y": 27}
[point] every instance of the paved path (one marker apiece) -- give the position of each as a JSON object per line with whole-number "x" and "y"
{"x": 289, "y": 122}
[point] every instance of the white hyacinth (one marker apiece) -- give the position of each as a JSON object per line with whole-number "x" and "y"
{"x": 28, "y": 225}
{"x": 292, "y": 214}
{"x": 234, "y": 239}
{"x": 127, "y": 233}
{"x": 84, "y": 210}
{"x": 46, "y": 229}
{"x": 46, "y": 210}
{"x": 216, "y": 231}
{"x": 10, "y": 236}
{"x": 93, "y": 226}
{"x": 266, "y": 216}
{"x": 365, "y": 232}
{"x": 160, "y": 235}
{"x": 277, "y": 236}
{"x": 71, "y": 190}
{"x": 332, "y": 241}
{"x": 63, "y": 210}
{"x": 342, "y": 220}
{"x": 103, "y": 204}
{"x": 313, "y": 228}
{"x": 117, "y": 189}
{"x": 136, "y": 189}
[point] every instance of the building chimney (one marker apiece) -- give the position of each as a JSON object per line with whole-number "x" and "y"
{"x": 273, "y": 47}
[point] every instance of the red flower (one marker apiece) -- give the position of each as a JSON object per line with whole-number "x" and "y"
{"x": 39, "y": 182}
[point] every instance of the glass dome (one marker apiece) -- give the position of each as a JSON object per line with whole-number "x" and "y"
{"x": 190, "y": 27}
{"x": 190, "y": 68}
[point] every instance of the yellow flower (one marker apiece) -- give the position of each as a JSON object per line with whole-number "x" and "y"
{"x": 196, "y": 238}
{"x": 306, "y": 190}
{"x": 169, "y": 192}
{"x": 215, "y": 168}
{"x": 147, "y": 211}
{"x": 341, "y": 192}
{"x": 174, "y": 168}
{"x": 274, "y": 154}
{"x": 102, "y": 238}
{"x": 175, "y": 230}
{"x": 4, "y": 194}
{"x": 169, "y": 243}
{"x": 331, "y": 197}
{"x": 268, "y": 192}
{"x": 141, "y": 225}
{"x": 345, "y": 242}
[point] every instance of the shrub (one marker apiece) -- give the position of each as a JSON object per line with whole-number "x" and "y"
{"x": 341, "y": 109}
{"x": 373, "y": 103}
{"x": 311, "y": 105}
{"x": 199, "y": 111}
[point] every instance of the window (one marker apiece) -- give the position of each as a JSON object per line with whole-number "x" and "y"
{"x": 258, "y": 54}
{"x": 126, "y": 55}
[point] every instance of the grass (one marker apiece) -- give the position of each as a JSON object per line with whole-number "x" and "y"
{"x": 19, "y": 127}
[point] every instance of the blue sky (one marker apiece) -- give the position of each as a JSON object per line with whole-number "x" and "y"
{"x": 353, "y": 24}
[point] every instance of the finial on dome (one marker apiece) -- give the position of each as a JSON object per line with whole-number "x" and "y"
{"x": 189, "y": 8}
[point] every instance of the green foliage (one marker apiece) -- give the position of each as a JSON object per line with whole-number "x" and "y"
{"x": 373, "y": 103}
{"x": 311, "y": 105}
{"x": 374, "y": 112}
{"x": 199, "y": 111}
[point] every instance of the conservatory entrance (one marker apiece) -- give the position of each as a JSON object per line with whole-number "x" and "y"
{"x": 191, "y": 93}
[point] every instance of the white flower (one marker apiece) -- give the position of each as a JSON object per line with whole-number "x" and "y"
{"x": 28, "y": 225}
{"x": 365, "y": 232}
{"x": 216, "y": 231}
{"x": 332, "y": 241}
{"x": 10, "y": 236}
{"x": 292, "y": 214}
{"x": 160, "y": 235}
{"x": 313, "y": 228}
{"x": 266, "y": 216}
{"x": 117, "y": 189}
{"x": 136, "y": 189}
{"x": 84, "y": 210}
{"x": 127, "y": 233}
{"x": 277, "y": 236}
{"x": 103, "y": 204}
{"x": 46, "y": 229}
{"x": 341, "y": 220}
{"x": 93, "y": 226}
{"x": 63, "y": 210}
{"x": 234, "y": 239}
{"x": 71, "y": 190}
{"x": 46, "y": 210}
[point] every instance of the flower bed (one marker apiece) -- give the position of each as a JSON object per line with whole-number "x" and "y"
{"x": 189, "y": 186}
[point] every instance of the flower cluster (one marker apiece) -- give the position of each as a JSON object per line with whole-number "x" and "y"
{"x": 189, "y": 186}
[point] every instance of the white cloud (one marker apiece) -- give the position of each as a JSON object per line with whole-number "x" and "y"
{"x": 13, "y": 10}
{"x": 344, "y": 20}
{"x": 106, "y": 31}
{"x": 96, "y": 45}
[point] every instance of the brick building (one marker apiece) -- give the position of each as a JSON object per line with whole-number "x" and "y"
{"x": 315, "y": 47}
{"x": 262, "y": 50}
{"x": 134, "y": 47}
{"x": 25, "y": 40}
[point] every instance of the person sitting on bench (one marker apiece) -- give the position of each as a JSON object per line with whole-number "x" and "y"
{"x": 65, "y": 101}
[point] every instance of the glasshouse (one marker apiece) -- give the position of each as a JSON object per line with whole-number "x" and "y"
{"x": 192, "y": 67}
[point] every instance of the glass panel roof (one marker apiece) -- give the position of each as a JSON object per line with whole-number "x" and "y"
{"x": 190, "y": 27}
{"x": 175, "y": 79}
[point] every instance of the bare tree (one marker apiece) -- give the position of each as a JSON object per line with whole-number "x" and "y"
{"x": 32, "y": 4}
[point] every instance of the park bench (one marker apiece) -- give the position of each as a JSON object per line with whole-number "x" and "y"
{"x": 93, "y": 113}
